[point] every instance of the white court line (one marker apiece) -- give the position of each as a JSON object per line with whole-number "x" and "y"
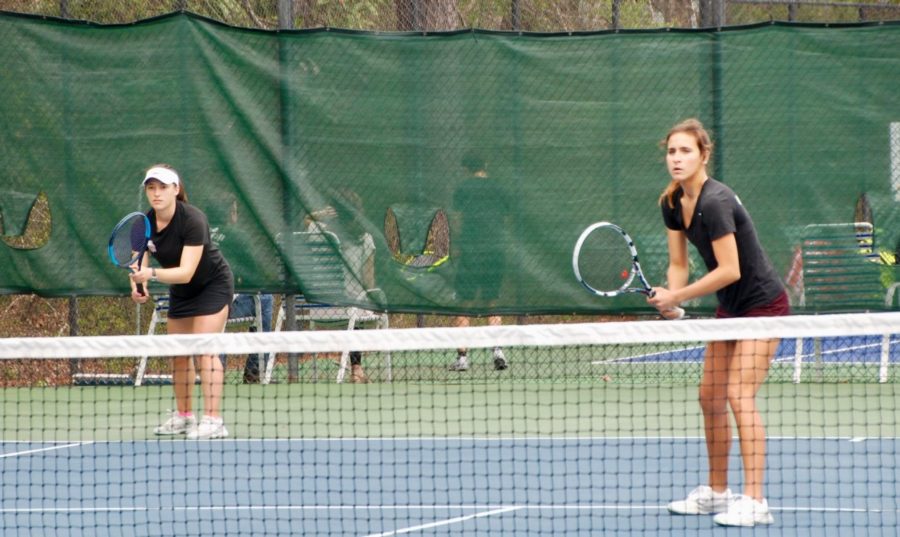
{"x": 25, "y": 510}
{"x": 446, "y": 522}
{"x": 486, "y": 510}
{"x": 425, "y": 439}
{"x": 778, "y": 359}
{"x": 39, "y": 450}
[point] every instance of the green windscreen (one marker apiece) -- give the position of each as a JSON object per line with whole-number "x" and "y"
{"x": 462, "y": 166}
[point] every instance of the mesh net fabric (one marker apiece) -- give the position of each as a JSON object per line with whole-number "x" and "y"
{"x": 593, "y": 426}
{"x": 568, "y": 127}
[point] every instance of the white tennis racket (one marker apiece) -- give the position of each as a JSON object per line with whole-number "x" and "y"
{"x": 605, "y": 261}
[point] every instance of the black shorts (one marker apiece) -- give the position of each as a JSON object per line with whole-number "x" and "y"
{"x": 486, "y": 288}
{"x": 776, "y": 308}
{"x": 482, "y": 282}
{"x": 216, "y": 295}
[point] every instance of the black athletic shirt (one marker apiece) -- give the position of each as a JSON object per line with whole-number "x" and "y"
{"x": 719, "y": 212}
{"x": 484, "y": 208}
{"x": 212, "y": 286}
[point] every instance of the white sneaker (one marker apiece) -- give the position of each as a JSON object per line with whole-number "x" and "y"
{"x": 745, "y": 511}
{"x": 176, "y": 424}
{"x": 461, "y": 364}
{"x": 208, "y": 429}
{"x": 500, "y": 362}
{"x": 702, "y": 501}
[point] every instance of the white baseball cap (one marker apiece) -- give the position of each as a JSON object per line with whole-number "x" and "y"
{"x": 163, "y": 175}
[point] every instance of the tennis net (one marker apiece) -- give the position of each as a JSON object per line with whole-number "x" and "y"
{"x": 593, "y": 428}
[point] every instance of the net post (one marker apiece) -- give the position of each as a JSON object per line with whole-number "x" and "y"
{"x": 73, "y": 331}
{"x": 885, "y": 358}
{"x": 798, "y": 360}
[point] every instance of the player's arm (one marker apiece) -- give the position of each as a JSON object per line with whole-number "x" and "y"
{"x": 368, "y": 267}
{"x": 319, "y": 215}
{"x": 455, "y": 222}
{"x": 140, "y": 298}
{"x": 678, "y": 272}
{"x": 190, "y": 259}
{"x": 664, "y": 298}
{"x": 727, "y": 270}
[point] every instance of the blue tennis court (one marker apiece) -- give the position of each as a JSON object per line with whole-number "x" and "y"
{"x": 458, "y": 486}
{"x": 834, "y": 350}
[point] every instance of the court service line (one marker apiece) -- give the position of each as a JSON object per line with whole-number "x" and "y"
{"x": 491, "y": 510}
{"x": 446, "y": 522}
{"x": 434, "y": 439}
{"x": 51, "y": 448}
{"x": 778, "y": 358}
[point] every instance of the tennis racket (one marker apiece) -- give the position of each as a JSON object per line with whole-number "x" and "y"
{"x": 129, "y": 241}
{"x": 606, "y": 263}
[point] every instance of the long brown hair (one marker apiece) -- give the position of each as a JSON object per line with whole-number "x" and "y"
{"x": 182, "y": 193}
{"x": 693, "y": 127}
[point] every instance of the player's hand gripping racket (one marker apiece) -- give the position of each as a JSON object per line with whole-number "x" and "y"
{"x": 605, "y": 261}
{"x": 129, "y": 241}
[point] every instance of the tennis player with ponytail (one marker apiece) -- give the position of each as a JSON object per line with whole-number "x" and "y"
{"x": 201, "y": 288}
{"x": 699, "y": 209}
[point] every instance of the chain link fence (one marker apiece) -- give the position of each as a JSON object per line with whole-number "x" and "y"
{"x": 443, "y": 15}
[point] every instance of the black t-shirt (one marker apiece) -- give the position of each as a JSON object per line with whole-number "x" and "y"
{"x": 719, "y": 212}
{"x": 483, "y": 208}
{"x": 188, "y": 227}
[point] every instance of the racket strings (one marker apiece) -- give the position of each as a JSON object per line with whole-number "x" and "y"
{"x": 605, "y": 261}
{"x": 129, "y": 239}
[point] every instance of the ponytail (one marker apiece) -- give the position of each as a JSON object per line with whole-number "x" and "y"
{"x": 668, "y": 194}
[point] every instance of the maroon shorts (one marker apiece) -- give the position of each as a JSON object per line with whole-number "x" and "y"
{"x": 779, "y": 306}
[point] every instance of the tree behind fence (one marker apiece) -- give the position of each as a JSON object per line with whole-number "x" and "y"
{"x": 440, "y": 15}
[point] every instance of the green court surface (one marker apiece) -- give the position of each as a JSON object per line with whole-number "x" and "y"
{"x": 473, "y": 409}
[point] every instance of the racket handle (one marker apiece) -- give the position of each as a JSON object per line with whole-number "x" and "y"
{"x": 140, "y": 288}
{"x": 678, "y": 312}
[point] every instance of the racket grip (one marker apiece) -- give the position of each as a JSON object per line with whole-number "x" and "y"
{"x": 679, "y": 312}
{"x": 140, "y": 288}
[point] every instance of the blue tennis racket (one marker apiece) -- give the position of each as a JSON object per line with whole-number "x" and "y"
{"x": 129, "y": 241}
{"x": 605, "y": 261}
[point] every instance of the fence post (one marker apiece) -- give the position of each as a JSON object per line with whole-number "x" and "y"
{"x": 285, "y": 14}
{"x": 73, "y": 331}
{"x": 285, "y": 10}
{"x": 712, "y": 13}
{"x": 289, "y": 304}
